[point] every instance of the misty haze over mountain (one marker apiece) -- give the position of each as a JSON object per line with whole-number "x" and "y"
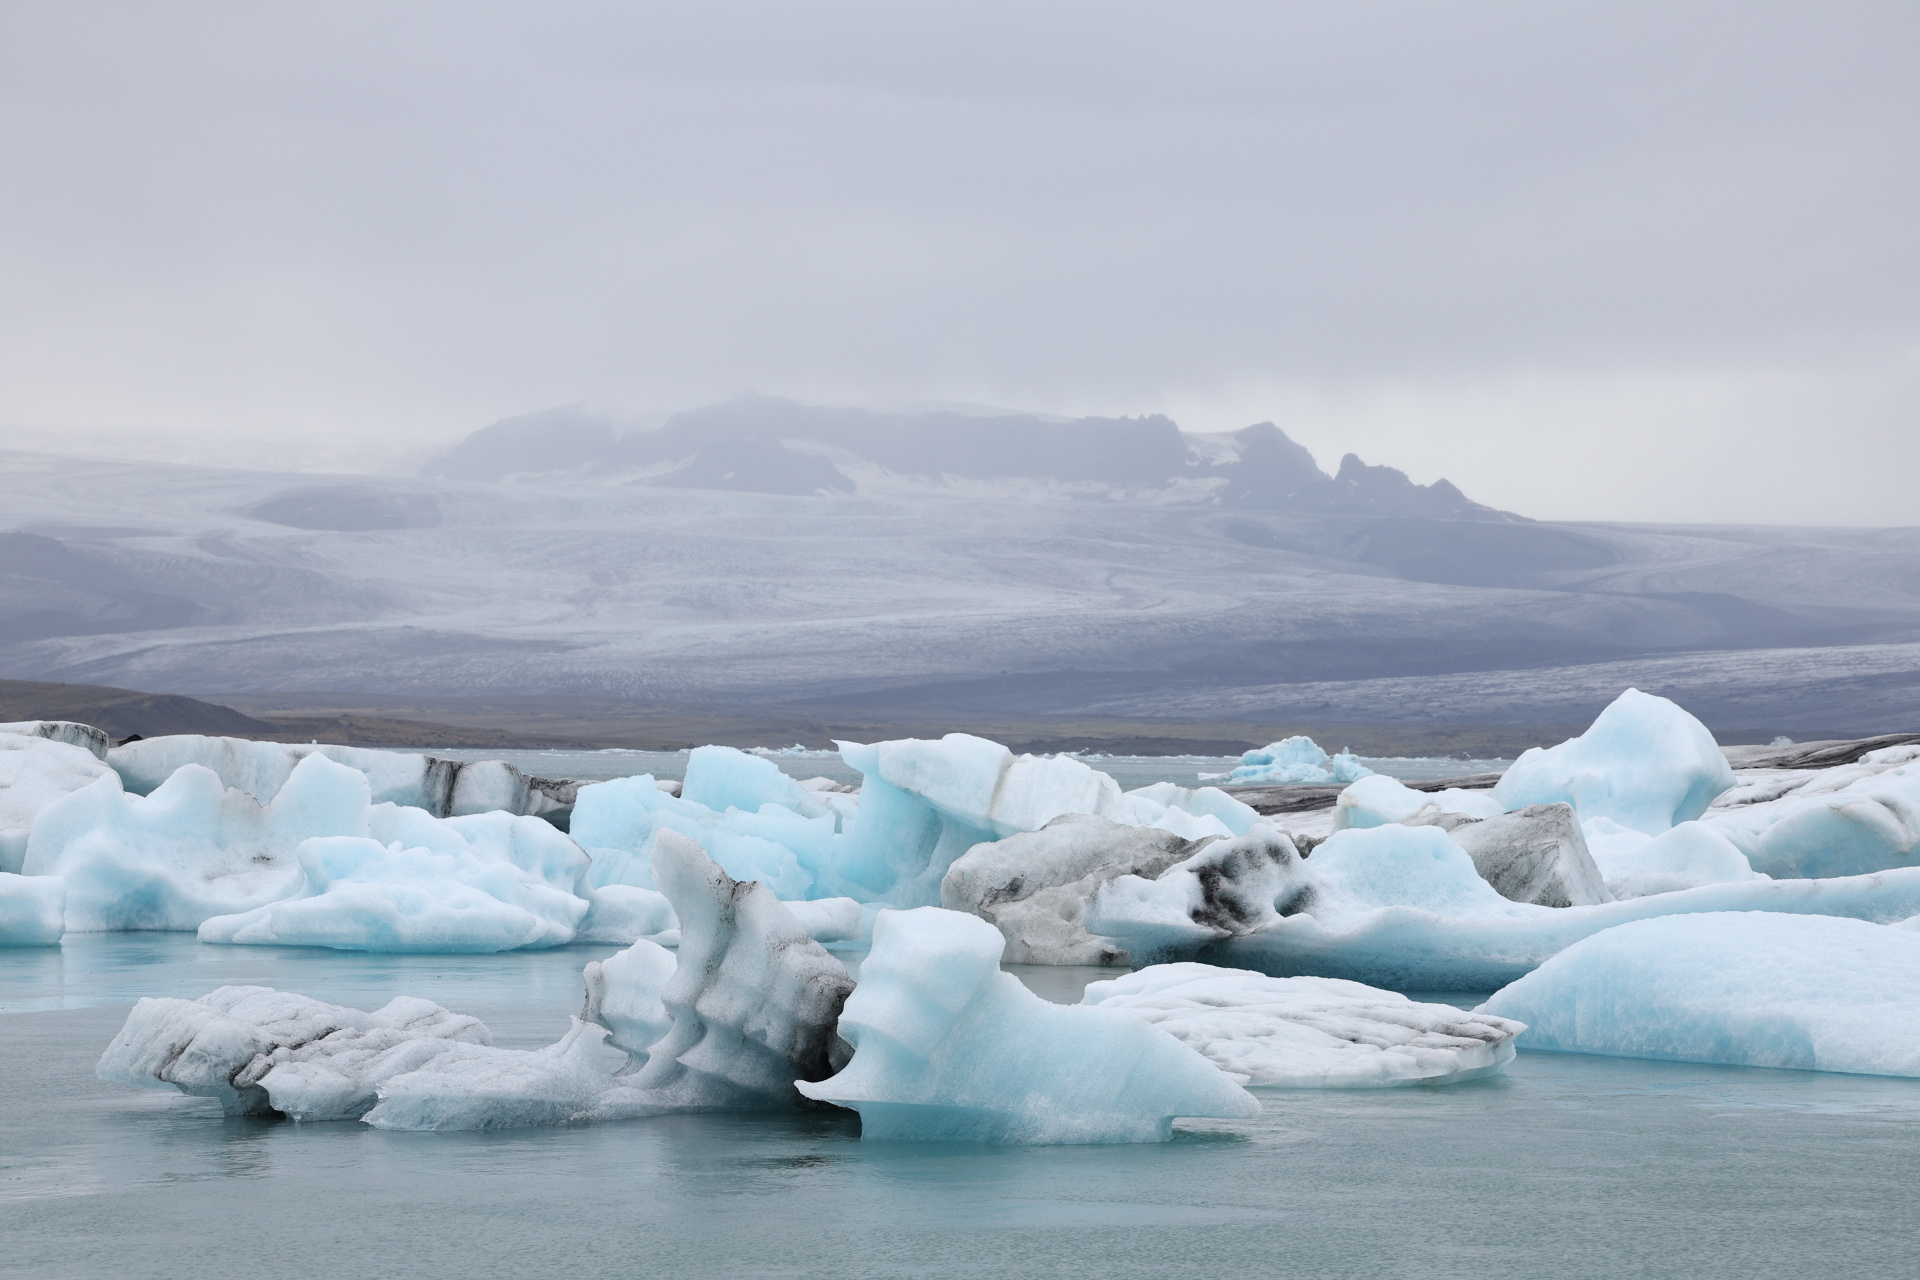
{"x": 767, "y": 553}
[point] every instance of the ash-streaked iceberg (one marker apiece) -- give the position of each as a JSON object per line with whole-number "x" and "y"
{"x": 1751, "y": 988}
{"x": 949, "y": 1048}
{"x": 1034, "y": 887}
{"x": 1309, "y": 1032}
{"x": 226, "y": 1044}
{"x": 1644, "y": 763}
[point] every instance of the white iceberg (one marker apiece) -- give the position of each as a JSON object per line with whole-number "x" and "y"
{"x": 1309, "y": 1032}
{"x": 1380, "y": 801}
{"x": 1685, "y": 857}
{"x": 949, "y": 1048}
{"x": 1846, "y": 821}
{"x": 35, "y": 771}
{"x": 228, "y": 1043}
{"x": 192, "y": 849}
{"x": 1751, "y": 988}
{"x": 1644, "y": 763}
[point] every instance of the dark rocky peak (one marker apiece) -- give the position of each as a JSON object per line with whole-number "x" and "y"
{"x": 570, "y": 438}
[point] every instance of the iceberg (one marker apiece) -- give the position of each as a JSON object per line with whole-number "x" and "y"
{"x": 949, "y": 1048}
{"x": 192, "y": 849}
{"x": 1685, "y": 857}
{"x": 1301, "y": 1033}
{"x": 357, "y": 894}
{"x": 35, "y": 771}
{"x": 1405, "y": 908}
{"x": 89, "y": 739}
{"x": 228, "y": 1044}
{"x": 1870, "y": 824}
{"x": 575, "y": 1080}
{"x": 1643, "y": 763}
{"x": 1034, "y": 887}
{"x": 1295, "y": 760}
{"x": 1752, "y": 988}
{"x": 33, "y": 910}
{"x": 753, "y": 999}
{"x": 1537, "y": 854}
{"x": 624, "y": 995}
{"x": 618, "y": 822}
{"x": 1381, "y": 801}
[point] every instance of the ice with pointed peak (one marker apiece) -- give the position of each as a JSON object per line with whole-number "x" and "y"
{"x": 1537, "y": 854}
{"x": 753, "y": 999}
{"x": 1309, "y": 1032}
{"x": 1752, "y": 988}
{"x": 618, "y": 822}
{"x": 949, "y": 1048}
{"x": 35, "y": 771}
{"x": 1644, "y": 763}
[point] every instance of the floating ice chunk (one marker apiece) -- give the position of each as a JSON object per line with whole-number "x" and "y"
{"x": 1226, "y": 887}
{"x": 227, "y": 1043}
{"x": 621, "y": 913}
{"x": 258, "y": 768}
{"x": 1379, "y": 800}
{"x": 624, "y": 996}
{"x": 1034, "y": 887}
{"x": 1298, "y": 759}
{"x": 948, "y": 1048}
{"x": 985, "y": 786}
{"x": 572, "y": 1081}
{"x": 1869, "y": 825}
{"x": 33, "y": 910}
{"x": 1644, "y": 763}
{"x": 192, "y": 849}
{"x": 357, "y": 894}
{"x": 1309, "y": 1032}
{"x": 1536, "y": 854}
{"x": 35, "y": 771}
{"x": 1753, "y": 988}
{"x": 1689, "y": 855}
{"x": 753, "y": 999}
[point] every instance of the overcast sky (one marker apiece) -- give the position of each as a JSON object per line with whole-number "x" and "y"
{"x": 1613, "y": 260}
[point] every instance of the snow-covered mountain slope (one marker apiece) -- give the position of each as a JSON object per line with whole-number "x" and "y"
{"x": 197, "y": 580}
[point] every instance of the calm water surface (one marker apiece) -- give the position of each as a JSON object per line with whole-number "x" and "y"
{"x": 1566, "y": 1167}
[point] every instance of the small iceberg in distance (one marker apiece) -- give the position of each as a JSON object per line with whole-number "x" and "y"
{"x": 1291, "y": 761}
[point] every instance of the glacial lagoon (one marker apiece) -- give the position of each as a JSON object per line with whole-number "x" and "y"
{"x": 1562, "y": 1166}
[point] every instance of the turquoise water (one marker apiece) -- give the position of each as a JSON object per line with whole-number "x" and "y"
{"x": 1565, "y": 1167}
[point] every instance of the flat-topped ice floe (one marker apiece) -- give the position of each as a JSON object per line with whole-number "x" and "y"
{"x": 1304, "y": 1033}
{"x": 949, "y": 1048}
{"x": 1749, "y": 988}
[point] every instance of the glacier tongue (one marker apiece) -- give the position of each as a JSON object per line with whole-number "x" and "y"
{"x": 949, "y": 1048}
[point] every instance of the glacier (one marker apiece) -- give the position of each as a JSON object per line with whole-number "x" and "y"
{"x": 946, "y": 1047}
{"x": 1812, "y": 993}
